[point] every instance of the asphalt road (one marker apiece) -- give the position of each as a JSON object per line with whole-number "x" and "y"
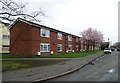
{"x": 104, "y": 69}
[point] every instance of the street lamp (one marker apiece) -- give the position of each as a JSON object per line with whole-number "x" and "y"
{"x": 108, "y": 42}
{"x": 108, "y": 39}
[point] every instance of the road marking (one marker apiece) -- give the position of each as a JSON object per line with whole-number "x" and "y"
{"x": 112, "y": 70}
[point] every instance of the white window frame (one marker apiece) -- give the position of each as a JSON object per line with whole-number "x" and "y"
{"x": 5, "y": 48}
{"x": 81, "y": 46}
{"x": 69, "y": 37}
{"x": 45, "y": 31}
{"x": 81, "y": 42}
{"x": 60, "y": 47}
{"x": 60, "y": 36}
{"x": 48, "y": 47}
{"x": 69, "y": 46}
{"x": 77, "y": 47}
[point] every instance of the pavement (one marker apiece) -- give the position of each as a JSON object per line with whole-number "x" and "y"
{"x": 51, "y": 71}
{"x": 104, "y": 69}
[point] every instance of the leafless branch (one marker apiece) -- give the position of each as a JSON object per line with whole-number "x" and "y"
{"x": 9, "y": 10}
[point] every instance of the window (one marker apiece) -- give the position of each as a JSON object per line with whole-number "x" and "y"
{"x": 77, "y": 39}
{"x": 6, "y": 36}
{"x": 69, "y": 38}
{"x": 44, "y": 47}
{"x": 59, "y": 47}
{"x": 60, "y": 36}
{"x": 70, "y": 47}
{"x": 81, "y": 46}
{"x": 45, "y": 33}
{"x": 77, "y": 47}
{"x": 5, "y": 48}
{"x": 81, "y": 42}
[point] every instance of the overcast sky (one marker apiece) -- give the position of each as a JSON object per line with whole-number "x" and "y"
{"x": 74, "y": 16}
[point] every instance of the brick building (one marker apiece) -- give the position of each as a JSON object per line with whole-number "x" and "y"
{"x": 29, "y": 39}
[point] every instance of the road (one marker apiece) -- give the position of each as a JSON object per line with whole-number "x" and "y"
{"x": 104, "y": 69}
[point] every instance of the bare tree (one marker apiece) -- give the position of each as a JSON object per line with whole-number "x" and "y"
{"x": 10, "y": 10}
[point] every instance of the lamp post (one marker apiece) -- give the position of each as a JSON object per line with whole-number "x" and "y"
{"x": 108, "y": 42}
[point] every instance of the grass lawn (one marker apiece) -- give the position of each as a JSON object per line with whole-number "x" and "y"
{"x": 9, "y": 65}
{"x": 9, "y": 56}
{"x": 67, "y": 55}
{"x": 70, "y": 55}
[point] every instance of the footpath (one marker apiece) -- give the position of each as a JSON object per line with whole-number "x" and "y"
{"x": 51, "y": 71}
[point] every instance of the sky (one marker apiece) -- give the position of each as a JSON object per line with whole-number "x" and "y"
{"x": 74, "y": 16}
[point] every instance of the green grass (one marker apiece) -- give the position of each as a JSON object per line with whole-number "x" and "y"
{"x": 10, "y": 65}
{"x": 66, "y": 55}
{"x": 9, "y": 56}
{"x": 70, "y": 55}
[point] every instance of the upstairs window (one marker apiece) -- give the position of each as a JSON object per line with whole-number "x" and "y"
{"x": 6, "y": 37}
{"x": 45, "y": 33}
{"x": 77, "y": 39}
{"x": 69, "y": 38}
{"x": 60, "y": 36}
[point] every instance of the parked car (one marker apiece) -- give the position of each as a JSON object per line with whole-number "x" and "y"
{"x": 118, "y": 49}
{"x": 112, "y": 49}
{"x": 107, "y": 50}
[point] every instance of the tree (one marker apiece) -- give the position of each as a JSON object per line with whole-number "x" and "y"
{"x": 117, "y": 44}
{"x": 10, "y": 10}
{"x": 91, "y": 37}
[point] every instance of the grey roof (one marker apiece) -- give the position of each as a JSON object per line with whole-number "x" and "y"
{"x": 39, "y": 26}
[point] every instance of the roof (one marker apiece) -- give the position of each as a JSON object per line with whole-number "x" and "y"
{"x": 39, "y": 26}
{"x": 6, "y": 24}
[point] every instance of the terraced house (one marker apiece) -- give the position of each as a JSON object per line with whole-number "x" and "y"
{"x": 30, "y": 39}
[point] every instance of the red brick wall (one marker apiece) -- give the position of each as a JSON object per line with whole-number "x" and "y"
{"x": 63, "y": 44}
{"x": 74, "y": 44}
{"x": 66, "y": 42}
{"x": 79, "y": 45}
{"x": 53, "y": 42}
{"x": 28, "y": 42}
{"x": 15, "y": 36}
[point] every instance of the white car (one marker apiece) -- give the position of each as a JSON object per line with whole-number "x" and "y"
{"x": 107, "y": 50}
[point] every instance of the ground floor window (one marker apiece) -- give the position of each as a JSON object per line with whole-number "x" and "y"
{"x": 77, "y": 47}
{"x": 5, "y": 47}
{"x": 44, "y": 47}
{"x": 59, "y": 47}
{"x": 70, "y": 47}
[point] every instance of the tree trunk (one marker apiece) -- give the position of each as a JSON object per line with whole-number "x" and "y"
{"x": 93, "y": 46}
{"x": 88, "y": 44}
